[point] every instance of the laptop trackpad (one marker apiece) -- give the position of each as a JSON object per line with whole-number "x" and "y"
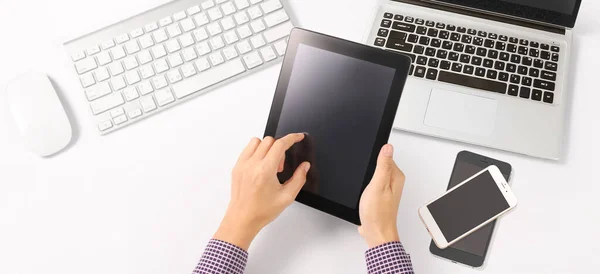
{"x": 461, "y": 112}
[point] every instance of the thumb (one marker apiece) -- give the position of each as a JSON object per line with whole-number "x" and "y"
{"x": 294, "y": 184}
{"x": 385, "y": 165}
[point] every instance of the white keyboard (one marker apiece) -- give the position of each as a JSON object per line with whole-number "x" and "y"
{"x": 157, "y": 59}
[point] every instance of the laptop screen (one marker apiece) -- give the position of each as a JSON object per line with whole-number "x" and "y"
{"x": 556, "y": 12}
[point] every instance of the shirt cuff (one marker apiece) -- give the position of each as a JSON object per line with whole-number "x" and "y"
{"x": 388, "y": 258}
{"x": 222, "y": 257}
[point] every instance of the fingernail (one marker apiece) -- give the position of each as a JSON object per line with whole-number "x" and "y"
{"x": 388, "y": 150}
{"x": 306, "y": 167}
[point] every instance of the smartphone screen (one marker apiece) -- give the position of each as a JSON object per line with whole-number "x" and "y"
{"x": 468, "y": 206}
{"x": 477, "y": 242}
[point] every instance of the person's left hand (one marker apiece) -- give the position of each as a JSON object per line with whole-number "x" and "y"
{"x": 257, "y": 196}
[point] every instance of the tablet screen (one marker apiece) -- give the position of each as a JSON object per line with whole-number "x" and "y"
{"x": 339, "y": 102}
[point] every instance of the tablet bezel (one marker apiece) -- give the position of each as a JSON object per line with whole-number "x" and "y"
{"x": 401, "y": 64}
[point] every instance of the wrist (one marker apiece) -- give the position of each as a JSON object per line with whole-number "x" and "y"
{"x": 378, "y": 236}
{"x": 237, "y": 232}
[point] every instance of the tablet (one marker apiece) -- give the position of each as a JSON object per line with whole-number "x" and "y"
{"x": 344, "y": 97}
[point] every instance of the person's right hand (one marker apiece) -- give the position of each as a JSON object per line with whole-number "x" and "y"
{"x": 379, "y": 203}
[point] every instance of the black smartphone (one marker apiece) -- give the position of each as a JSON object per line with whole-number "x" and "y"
{"x": 472, "y": 249}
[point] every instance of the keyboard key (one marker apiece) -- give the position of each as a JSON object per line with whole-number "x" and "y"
{"x": 200, "y": 34}
{"x": 472, "y": 82}
{"x": 382, "y": 32}
{"x": 482, "y": 33}
{"x": 207, "y": 4}
{"x": 420, "y": 72}
{"x": 492, "y": 54}
{"x": 488, "y": 63}
{"x": 442, "y": 54}
{"x": 159, "y": 82}
{"x": 174, "y": 76}
{"x": 202, "y": 64}
{"x": 513, "y": 90}
{"x": 537, "y": 95}
{"x": 147, "y": 71}
{"x": 544, "y": 84}
{"x": 130, "y": 63}
{"x": 228, "y": 8}
{"x": 404, "y": 26}
{"x": 105, "y": 125}
{"x": 172, "y": 46}
{"x": 146, "y": 41}
{"x": 551, "y": 66}
{"x": 555, "y": 57}
{"x": 159, "y": 51}
{"x": 444, "y": 34}
{"x": 134, "y": 113}
{"x": 430, "y": 52}
{"x": 527, "y": 61}
{"x": 464, "y": 58}
{"x": 278, "y": 32}
{"x": 165, "y": 21}
{"x": 511, "y": 48}
{"x": 548, "y": 97}
{"x": 120, "y": 119}
{"x": 433, "y": 62}
{"x": 409, "y": 19}
{"x": 455, "y": 37}
{"x": 216, "y": 58}
{"x": 257, "y": 25}
{"x": 492, "y": 74}
{"x": 267, "y": 53}
{"x": 122, "y": 38}
{"x": 432, "y": 74}
{"x": 160, "y": 36}
{"x": 419, "y": 49}
{"x": 208, "y": 78}
{"x": 254, "y": 12}
{"x": 481, "y": 52}
{"x": 499, "y": 65}
{"x": 164, "y": 97}
{"x": 201, "y": 19}
{"x": 432, "y": 32}
{"x": 130, "y": 94}
{"x": 457, "y": 67}
{"x": 488, "y": 43}
{"x": 480, "y": 72}
{"x": 187, "y": 24}
{"x": 116, "y": 68}
{"x": 385, "y": 23}
{"x": 467, "y": 69}
{"x": 280, "y": 47}
{"x": 175, "y": 60}
{"x": 136, "y": 33}
{"x": 413, "y": 38}
{"x": 257, "y": 41}
{"x": 399, "y": 45}
{"x": 186, "y": 40}
{"x": 523, "y": 42}
{"x": 525, "y": 92}
{"x": 470, "y": 49}
{"x": 503, "y": 38}
{"x": 101, "y": 74}
{"x": 472, "y": 32}
{"x": 151, "y": 27}
{"x": 92, "y": 50}
{"x": 461, "y": 29}
{"x": 504, "y": 56}
{"x": 424, "y": 40}
{"x": 132, "y": 77}
{"x": 117, "y": 83}
{"x": 511, "y": 68}
{"x": 86, "y": 65}
{"x": 193, "y": 10}
{"x": 436, "y": 43}
{"x": 534, "y": 52}
{"x": 398, "y": 17}
{"x": 107, "y": 102}
{"x": 188, "y": 70}
{"x": 538, "y": 63}
{"x": 453, "y": 56}
{"x": 252, "y": 60}
{"x": 430, "y": 23}
{"x": 148, "y": 103}
{"x": 515, "y": 79}
{"x": 388, "y": 15}
{"x": 445, "y": 65}
{"x": 533, "y": 72}
{"x": 476, "y": 60}
{"x": 214, "y": 29}
{"x": 174, "y": 30}
{"x": 547, "y": 75}
{"x": 97, "y": 91}
{"x": 515, "y": 59}
{"x": 526, "y": 81}
{"x": 270, "y": 6}
{"x": 421, "y": 60}
{"x": 500, "y": 46}
{"x": 145, "y": 57}
{"x": 145, "y": 87}
{"x": 555, "y": 49}
{"x": 503, "y": 76}
{"x": 203, "y": 48}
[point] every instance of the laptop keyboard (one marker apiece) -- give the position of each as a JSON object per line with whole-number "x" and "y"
{"x": 473, "y": 58}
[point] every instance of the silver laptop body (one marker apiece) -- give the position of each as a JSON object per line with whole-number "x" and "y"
{"x": 525, "y": 116}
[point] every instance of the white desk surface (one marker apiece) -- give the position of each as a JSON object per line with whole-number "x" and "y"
{"x": 146, "y": 199}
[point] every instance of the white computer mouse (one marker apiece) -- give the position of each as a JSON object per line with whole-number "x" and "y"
{"x": 39, "y": 114}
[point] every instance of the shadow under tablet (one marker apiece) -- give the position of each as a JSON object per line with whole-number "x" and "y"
{"x": 304, "y": 151}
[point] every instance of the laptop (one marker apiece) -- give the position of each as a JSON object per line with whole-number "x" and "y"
{"x": 489, "y": 72}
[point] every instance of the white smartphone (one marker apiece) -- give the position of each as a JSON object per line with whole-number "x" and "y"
{"x": 467, "y": 207}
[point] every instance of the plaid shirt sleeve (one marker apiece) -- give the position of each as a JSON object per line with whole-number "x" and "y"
{"x": 222, "y": 257}
{"x": 388, "y": 258}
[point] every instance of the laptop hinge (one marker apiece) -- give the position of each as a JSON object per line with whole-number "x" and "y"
{"x": 484, "y": 15}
